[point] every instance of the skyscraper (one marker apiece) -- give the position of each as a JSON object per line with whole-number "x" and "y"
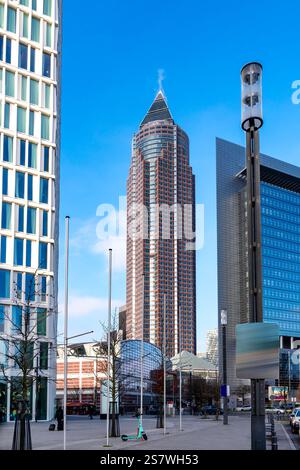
{"x": 212, "y": 346}
{"x": 160, "y": 234}
{"x": 30, "y": 53}
{"x": 280, "y": 218}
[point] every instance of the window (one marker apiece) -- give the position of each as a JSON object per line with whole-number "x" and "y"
{"x": 45, "y": 131}
{"x": 4, "y": 284}
{"x": 46, "y": 65}
{"x": 18, "y": 252}
{"x": 22, "y": 148}
{"x": 31, "y": 123}
{"x": 44, "y": 186}
{"x": 35, "y": 29}
{"x": 20, "y": 219}
{"x": 1, "y": 17}
{"x": 46, "y": 159}
{"x": 11, "y": 20}
{"x": 9, "y": 83}
{"x": 30, "y": 188}
{"x": 34, "y": 92}
{"x": 25, "y": 25}
{"x": 21, "y": 120}
{"x": 1, "y": 47}
{"x": 47, "y": 91}
{"x": 44, "y": 355}
{"x": 23, "y": 56}
{"x": 3, "y": 244}
{"x": 34, "y": 4}
{"x": 32, "y": 60}
{"x": 41, "y": 321}
{"x": 43, "y": 258}
{"x": 48, "y": 41}
{"x": 6, "y": 216}
{"x": 3, "y": 315}
{"x": 24, "y": 2}
{"x": 43, "y": 288}
{"x": 47, "y": 7}
{"x": 28, "y": 254}
{"x": 16, "y": 319}
{"x": 19, "y": 285}
{"x": 23, "y": 88}
{"x": 8, "y": 50}
{"x": 31, "y": 220}
{"x": 7, "y": 116}
{"x": 32, "y": 152}
{"x": 20, "y": 185}
{"x": 45, "y": 224}
{"x": 8, "y": 149}
{"x": 5, "y": 181}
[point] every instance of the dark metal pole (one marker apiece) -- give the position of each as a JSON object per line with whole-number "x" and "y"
{"x": 258, "y": 430}
{"x": 225, "y": 410}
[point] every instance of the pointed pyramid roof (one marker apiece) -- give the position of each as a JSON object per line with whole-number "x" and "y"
{"x": 158, "y": 111}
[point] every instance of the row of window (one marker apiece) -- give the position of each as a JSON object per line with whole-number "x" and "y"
{"x": 279, "y": 224}
{"x": 28, "y": 181}
{"x": 30, "y": 222}
{"x": 281, "y": 215}
{"x": 29, "y": 57}
{"x": 11, "y": 14}
{"x": 38, "y": 93}
{"x": 280, "y": 234}
{"x": 13, "y": 322}
{"x": 20, "y": 186}
{"x": 23, "y": 252}
{"x": 281, "y": 194}
{"x": 281, "y": 274}
{"x": 27, "y": 154}
{"x": 34, "y": 123}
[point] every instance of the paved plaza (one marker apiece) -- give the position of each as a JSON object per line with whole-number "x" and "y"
{"x": 198, "y": 434}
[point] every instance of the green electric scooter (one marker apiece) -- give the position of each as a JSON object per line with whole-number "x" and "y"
{"x": 140, "y": 433}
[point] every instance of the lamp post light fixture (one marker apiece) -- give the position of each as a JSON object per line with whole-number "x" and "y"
{"x": 224, "y": 388}
{"x": 252, "y": 121}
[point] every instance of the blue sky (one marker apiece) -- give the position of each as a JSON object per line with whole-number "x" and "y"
{"x": 112, "y": 52}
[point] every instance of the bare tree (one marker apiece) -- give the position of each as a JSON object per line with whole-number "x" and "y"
{"x": 25, "y": 345}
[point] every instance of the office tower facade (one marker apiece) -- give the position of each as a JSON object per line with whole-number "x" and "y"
{"x": 30, "y": 53}
{"x": 280, "y": 219}
{"x": 161, "y": 234}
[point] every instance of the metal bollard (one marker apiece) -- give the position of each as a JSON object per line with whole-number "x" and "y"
{"x": 274, "y": 442}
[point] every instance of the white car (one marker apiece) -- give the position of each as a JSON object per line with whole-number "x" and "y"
{"x": 243, "y": 408}
{"x": 295, "y": 421}
{"x": 275, "y": 411}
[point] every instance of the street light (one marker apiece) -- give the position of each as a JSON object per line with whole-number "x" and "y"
{"x": 252, "y": 121}
{"x": 224, "y": 388}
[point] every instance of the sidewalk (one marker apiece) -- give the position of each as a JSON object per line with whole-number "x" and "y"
{"x": 198, "y": 434}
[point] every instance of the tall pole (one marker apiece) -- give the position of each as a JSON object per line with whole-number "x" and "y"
{"x": 67, "y": 223}
{"x": 142, "y": 346}
{"x": 180, "y": 372}
{"x": 165, "y": 369}
{"x": 108, "y": 345}
{"x": 251, "y": 123}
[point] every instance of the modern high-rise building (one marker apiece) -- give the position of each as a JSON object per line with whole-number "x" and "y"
{"x": 280, "y": 219}
{"x": 161, "y": 234}
{"x": 30, "y": 67}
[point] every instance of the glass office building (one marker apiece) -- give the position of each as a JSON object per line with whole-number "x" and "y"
{"x": 30, "y": 64}
{"x": 280, "y": 218}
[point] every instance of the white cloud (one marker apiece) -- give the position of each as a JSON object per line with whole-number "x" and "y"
{"x": 84, "y": 306}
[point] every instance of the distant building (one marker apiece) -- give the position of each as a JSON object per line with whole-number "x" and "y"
{"x": 123, "y": 321}
{"x": 188, "y": 362}
{"x": 212, "y": 346}
{"x": 162, "y": 246}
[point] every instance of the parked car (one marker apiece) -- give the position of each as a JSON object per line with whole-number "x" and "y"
{"x": 295, "y": 422}
{"x": 292, "y": 415}
{"x": 275, "y": 410}
{"x": 244, "y": 408}
{"x": 210, "y": 410}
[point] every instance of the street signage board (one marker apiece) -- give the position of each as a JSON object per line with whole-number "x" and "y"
{"x": 257, "y": 351}
{"x": 278, "y": 393}
{"x": 225, "y": 391}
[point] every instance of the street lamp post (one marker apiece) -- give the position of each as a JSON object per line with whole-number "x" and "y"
{"x": 252, "y": 121}
{"x": 165, "y": 367}
{"x": 224, "y": 344}
{"x": 108, "y": 346}
{"x": 142, "y": 347}
{"x": 180, "y": 372}
{"x": 67, "y": 224}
